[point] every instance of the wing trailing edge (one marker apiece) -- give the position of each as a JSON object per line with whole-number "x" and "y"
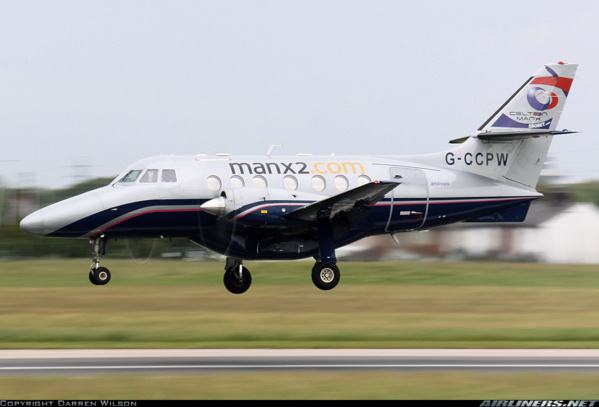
{"x": 349, "y": 201}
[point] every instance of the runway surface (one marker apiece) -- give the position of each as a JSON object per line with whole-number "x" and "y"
{"x": 204, "y": 361}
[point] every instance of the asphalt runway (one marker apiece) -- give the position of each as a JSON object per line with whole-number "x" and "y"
{"x": 205, "y": 361}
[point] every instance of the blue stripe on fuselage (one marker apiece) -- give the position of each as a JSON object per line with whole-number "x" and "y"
{"x": 184, "y": 218}
{"x": 117, "y": 219}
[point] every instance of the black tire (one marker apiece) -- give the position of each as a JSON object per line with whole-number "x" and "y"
{"x": 99, "y": 276}
{"x": 236, "y": 285}
{"x": 325, "y": 276}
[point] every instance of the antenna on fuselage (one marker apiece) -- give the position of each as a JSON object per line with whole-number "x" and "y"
{"x": 271, "y": 147}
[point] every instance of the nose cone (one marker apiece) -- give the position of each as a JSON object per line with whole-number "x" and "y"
{"x": 63, "y": 219}
{"x": 33, "y": 224}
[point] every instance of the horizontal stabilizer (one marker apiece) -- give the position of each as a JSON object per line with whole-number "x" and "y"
{"x": 348, "y": 201}
{"x": 459, "y": 140}
{"x": 519, "y": 135}
{"x": 512, "y": 135}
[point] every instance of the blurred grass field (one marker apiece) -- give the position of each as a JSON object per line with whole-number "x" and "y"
{"x": 175, "y": 304}
{"x": 307, "y": 385}
{"x": 163, "y": 304}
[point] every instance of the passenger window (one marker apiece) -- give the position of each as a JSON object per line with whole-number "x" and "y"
{"x": 259, "y": 182}
{"x": 341, "y": 183}
{"x": 236, "y": 182}
{"x": 318, "y": 183}
{"x": 290, "y": 182}
{"x": 169, "y": 176}
{"x": 214, "y": 183}
{"x": 150, "y": 176}
{"x": 131, "y": 176}
{"x": 363, "y": 180}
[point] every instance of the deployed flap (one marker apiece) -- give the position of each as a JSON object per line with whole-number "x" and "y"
{"x": 353, "y": 199}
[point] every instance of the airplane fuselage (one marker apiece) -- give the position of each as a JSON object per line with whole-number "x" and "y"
{"x": 261, "y": 191}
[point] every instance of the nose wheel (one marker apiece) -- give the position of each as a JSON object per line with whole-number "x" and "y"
{"x": 98, "y": 275}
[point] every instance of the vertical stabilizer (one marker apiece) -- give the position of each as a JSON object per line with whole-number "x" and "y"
{"x": 538, "y": 104}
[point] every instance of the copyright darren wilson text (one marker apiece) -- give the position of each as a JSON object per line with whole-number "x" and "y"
{"x": 67, "y": 403}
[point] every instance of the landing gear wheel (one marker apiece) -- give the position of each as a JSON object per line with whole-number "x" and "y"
{"x": 325, "y": 276}
{"x": 99, "y": 276}
{"x": 234, "y": 282}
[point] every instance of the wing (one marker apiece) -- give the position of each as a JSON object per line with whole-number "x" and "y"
{"x": 347, "y": 202}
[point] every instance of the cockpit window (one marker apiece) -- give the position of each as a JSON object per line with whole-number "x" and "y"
{"x": 150, "y": 176}
{"x": 169, "y": 176}
{"x": 131, "y": 176}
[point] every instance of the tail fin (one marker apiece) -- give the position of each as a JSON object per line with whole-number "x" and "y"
{"x": 538, "y": 104}
{"x": 512, "y": 144}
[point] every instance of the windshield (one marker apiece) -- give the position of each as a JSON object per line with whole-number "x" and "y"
{"x": 149, "y": 176}
{"x": 131, "y": 176}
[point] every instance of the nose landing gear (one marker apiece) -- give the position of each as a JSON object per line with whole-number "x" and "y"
{"x": 98, "y": 275}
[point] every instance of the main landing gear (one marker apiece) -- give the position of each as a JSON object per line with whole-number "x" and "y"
{"x": 325, "y": 273}
{"x": 237, "y": 278}
{"x": 325, "y": 276}
{"x": 98, "y": 275}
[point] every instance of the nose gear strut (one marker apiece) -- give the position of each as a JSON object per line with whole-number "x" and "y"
{"x": 98, "y": 275}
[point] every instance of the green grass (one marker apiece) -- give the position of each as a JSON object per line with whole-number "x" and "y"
{"x": 175, "y": 304}
{"x": 307, "y": 386}
{"x": 51, "y": 304}
{"x": 73, "y": 272}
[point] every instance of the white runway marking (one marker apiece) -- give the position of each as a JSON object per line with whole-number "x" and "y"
{"x": 147, "y": 361}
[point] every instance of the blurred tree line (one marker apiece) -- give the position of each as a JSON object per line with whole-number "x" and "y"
{"x": 579, "y": 192}
{"x": 17, "y": 203}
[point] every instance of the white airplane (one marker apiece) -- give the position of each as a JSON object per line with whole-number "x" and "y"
{"x": 293, "y": 207}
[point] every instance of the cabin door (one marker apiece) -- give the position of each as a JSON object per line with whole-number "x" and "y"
{"x": 409, "y": 201}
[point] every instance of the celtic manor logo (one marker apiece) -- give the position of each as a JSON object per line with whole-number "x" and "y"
{"x": 540, "y": 99}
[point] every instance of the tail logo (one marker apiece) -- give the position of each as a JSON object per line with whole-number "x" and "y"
{"x": 541, "y": 100}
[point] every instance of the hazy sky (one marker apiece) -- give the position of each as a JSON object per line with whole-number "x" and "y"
{"x": 88, "y": 87}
